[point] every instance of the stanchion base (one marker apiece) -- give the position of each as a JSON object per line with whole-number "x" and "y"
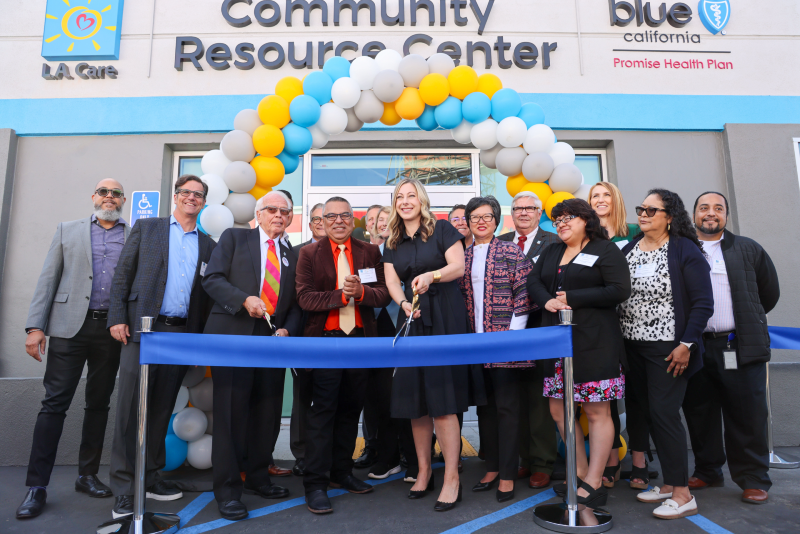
{"x": 555, "y": 517}
{"x": 152, "y": 523}
{"x": 776, "y": 462}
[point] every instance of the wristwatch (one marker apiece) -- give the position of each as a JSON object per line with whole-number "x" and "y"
{"x": 29, "y": 330}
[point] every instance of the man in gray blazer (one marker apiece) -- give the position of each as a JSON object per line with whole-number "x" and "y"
{"x": 70, "y": 304}
{"x": 537, "y": 439}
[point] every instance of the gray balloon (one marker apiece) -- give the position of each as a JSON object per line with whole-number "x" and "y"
{"x": 369, "y": 108}
{"x": 566, "y": 178}
{"x": 388, "y": 85}
{"x": 489, "y": 157}
{"x": 354, "y": 124}
{"x": 509, "y": 160}
{"x": 194, "y": 375}
{"x": 538, "y": 167}
{"x": 413, "y": 68}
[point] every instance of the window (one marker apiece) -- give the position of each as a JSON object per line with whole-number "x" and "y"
{"x": 388, "y": 169}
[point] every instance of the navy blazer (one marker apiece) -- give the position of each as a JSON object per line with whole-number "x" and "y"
{"x": 692, "y": 295}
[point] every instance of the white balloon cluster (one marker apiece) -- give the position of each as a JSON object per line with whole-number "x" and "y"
{"x": 193, "y": 424}
{"x": 229, "y": 177}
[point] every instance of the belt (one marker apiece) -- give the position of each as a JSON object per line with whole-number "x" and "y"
{"x": 340, "y": 333}
{"x": 171, "y": 321}
{"x": 100, "y": 315}
{"x": 716, "y": 335}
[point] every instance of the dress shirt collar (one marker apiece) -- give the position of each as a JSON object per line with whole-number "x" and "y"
{"x": 530, "y": 237}
{"x": 264, "y": 238}
{"x": 335, "y": 245}
{"x": 173, "y": 220}
{"x": 118, "y": 221}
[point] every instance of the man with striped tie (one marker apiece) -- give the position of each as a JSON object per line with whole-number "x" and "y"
{"x": 251, "y": 277}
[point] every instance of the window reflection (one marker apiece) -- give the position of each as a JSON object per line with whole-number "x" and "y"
{"x": 388, "y": 169}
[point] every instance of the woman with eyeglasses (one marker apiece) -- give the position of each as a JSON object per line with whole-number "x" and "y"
{"x": 663, "y": 322}
{"x": 457, "y": 219}
{"x": 427, "y": 257}
{"x": 588, "y": 274}
{"x": 497, "y": 300}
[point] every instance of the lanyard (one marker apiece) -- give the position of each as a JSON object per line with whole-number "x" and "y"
{"x": 731, "y": 337}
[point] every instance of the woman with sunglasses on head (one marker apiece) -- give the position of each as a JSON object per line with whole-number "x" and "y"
{"x": 585, "y": 273}
{"x": 458, "y": 219}
{"x": 663, "y": 322}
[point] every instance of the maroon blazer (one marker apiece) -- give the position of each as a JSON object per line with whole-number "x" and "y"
{"x": 316, "y": 285}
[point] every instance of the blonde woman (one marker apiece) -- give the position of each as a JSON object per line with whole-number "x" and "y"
{"x": 606, "y": 201}
{"x": 427, "y": 257}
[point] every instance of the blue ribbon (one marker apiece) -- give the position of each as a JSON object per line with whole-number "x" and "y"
{"x": 784, "y": 337}
{"x": 354, "y": 353}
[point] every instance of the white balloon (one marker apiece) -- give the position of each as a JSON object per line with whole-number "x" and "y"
{"x": 462, "y": 132}
{"x": 199, "y": 455}
{"x": 332, "y": 118}
{"x": 354, "y": 124}
{"x": 189, "y": 424}
{"x": 511, "y": 132}
{"x": 562, "y": 153}
{"x": 246, "y": 225}
{"x": 413, "y": 68}
{"x": 318, "y": 138}
{"x": 363, "y": 70}
{"x": 489, "y": 156}
{"x": 388, "y": 85}
{"x": 388, "y": 59}
{"x": 369, "y": 109}
{"x": 566, "y": 178}
{"x": 484, "y": 134}
{"x": 215, "y": 219}
{"x": 537, "y": 167}
{"x": 509, "y": 160}
{"x": 583, "y": 191}
{"x": 182, "y": 400}
{"x": 242, "y": 206}
{"x": 239, "y": 176}
{"x": 441, "y": 63}
{"x": 540, "y": 138}
{"x": 247, "y": 120}
{"x": 214, "y": 162}
{"x": 345, "y": 92}
{"x": 238, "y": 146}
{"x": 217, "y": 189}
{"x": 210, "y": 426}
{"x": 194, "y": 375}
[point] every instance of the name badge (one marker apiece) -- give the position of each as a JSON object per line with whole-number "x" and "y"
{"x": 730, "y": 359}
{"x": 367, "y": 276}
{"x": 585, "y": 259}
{"x": 646, "y": 270}
{"x": 535, "y": 259}
{"x": 718, "y": 267}
{"x": 621, "y": 244}
{"x": 203, "y": 266}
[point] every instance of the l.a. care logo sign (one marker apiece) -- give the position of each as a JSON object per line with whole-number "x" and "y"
{"x": 82, "y": 30}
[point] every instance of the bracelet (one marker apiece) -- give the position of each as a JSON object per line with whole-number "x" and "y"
{"x": 403, "y": 301}
{"x": 437, "y": 275}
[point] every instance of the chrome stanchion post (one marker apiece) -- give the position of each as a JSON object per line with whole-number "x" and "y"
{"x": 570, "y": 516}
{"x": 775, "y": 461}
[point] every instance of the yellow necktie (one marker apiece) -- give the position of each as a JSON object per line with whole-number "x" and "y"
{"x": 347, "y": 315}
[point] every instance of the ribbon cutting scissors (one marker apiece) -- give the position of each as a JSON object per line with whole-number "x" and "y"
{"x": 409, "y": 320}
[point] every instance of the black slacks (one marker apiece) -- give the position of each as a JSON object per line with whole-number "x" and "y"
{"x": 655, "y": 398}
{"x": 372, "y": 410}
{"x": 500, "y": 421}
{"x": 164, "y": 384}
{"x": 538, "y": 447}
{"x": 739, "y": 398}
{"x": 93, "y": 346}
{"x": 301, "y": 400}
{"x": 387, "y": 435}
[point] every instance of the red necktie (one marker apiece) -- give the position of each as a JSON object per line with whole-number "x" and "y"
{"x": 521, "y": 242}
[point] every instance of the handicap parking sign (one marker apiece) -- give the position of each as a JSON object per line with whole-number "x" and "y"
{"x": 144, "y": 204}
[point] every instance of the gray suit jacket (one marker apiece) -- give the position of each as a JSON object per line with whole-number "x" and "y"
{"x": 61, "y": 299}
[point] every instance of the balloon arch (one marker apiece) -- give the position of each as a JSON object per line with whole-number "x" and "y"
{"x": 266, "y": 143}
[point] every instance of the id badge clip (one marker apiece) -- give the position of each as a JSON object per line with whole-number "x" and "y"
{"x": 730, "y": 355}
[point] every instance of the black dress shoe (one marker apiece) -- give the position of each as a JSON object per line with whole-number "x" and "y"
{"x": 485, "y": 486}
{"x": 299, "y": 468}
{"x": 367, "y": 459}
{"x": 318, "y": 502}
{"x": 92, "y": 486}
{"x": 267, "y": 491}
{"x": 353, "y": 485}
{"x": 447, "y": 506}
{"x": 232, "y": 510}
{"x": 123, "y": 505}
{"x": 33, "y": 504}
{"x": 503, "y": 496}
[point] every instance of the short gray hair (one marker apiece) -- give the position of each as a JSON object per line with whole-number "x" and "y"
{"x": 316, "y": 207}
{"x": 337, "y": 199}
{"x": 537, "y": 201}
{"x": 261, "y": 201}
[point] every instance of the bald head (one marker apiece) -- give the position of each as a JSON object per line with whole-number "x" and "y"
{"x": 107, "y": 206}
{"x": 109, "y": 183}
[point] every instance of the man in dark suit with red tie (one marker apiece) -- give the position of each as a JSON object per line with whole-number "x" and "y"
{"x": 250, "y": 276}
{"x": 339, "y": 283}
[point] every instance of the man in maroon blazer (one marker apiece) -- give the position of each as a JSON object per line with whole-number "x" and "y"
{"x": 339, "y": 283}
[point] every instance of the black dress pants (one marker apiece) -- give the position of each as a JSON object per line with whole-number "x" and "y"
{"x": 301, "y": 400}
{"x": 538, "y": 447}
{"x": 738, "y": 398}
{"x": 93, "y": 346}
{"x": 377, "y": 403}
{"x": 388, "y": 428}
{"x": 655, "y": 397}
{"x": 500, "y": 421}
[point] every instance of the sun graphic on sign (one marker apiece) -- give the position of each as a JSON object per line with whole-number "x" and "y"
{"x": 75, "y": 29}
{"x": 79, "y": 23}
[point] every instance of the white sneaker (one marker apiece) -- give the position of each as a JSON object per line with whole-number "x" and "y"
{"x": 387, "y": 474}
{"x": 671, "y": 510}
{"x": 653, "y": 495}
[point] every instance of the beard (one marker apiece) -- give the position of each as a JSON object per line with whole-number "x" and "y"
{"x": 710, "y": 230}
{"x": 107, "y": 215}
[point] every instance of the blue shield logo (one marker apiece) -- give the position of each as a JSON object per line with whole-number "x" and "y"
{"x": 714, "y": 14}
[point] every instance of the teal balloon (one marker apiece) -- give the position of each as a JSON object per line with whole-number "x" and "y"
{"x": 298, "y": 139}
{"x": 427, "y": 121}
{"x": 290, "y": 162}
{"x": 477, "y": 107}
{"x": 177, "y": 449}
{"x": 448, "y": 113}
{"x": 337, "y": 67}
{"x": 505, "y": 103}
{"x": 547, "y": 226}
{"x": 532, "y": 114}
{"x": 304, "y": 111}
{"x": 170, "y": 430}
{"x": 318, "y": 85}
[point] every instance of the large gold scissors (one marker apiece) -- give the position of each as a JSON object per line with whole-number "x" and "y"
{"x": 404, "y": 329}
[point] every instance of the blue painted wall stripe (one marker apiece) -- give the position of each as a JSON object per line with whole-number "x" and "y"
{"x": 508, "y": 511}
{"x": 186, "y": 114}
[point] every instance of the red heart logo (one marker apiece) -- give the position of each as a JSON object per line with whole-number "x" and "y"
{"x": 83, "y": 19}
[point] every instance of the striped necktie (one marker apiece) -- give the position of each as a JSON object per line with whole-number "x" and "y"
{"x": 272, "y": 279}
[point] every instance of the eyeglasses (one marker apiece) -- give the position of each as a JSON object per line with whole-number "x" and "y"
{"x": 316, "y": 220}
{"x": 331, "y": 217}
{"x": 526, "y": 209}
{"x": 104, "y": 191}
{"x": 186, "y": 192}
{"x": 455, "y": 220}
{"x": 563, "y": 220}
{"x": 651, "y": 212}
{"x": 487, "y": 217}
{"x": 272, "y": 210}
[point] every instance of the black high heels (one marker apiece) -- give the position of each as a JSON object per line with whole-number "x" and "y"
{"x": 596, "y": 497}
{"x": 447, "y": 506}
{"x": 485, "y": 486}
{"x": 420, "y": 494}
{"x": 503, "y": 496}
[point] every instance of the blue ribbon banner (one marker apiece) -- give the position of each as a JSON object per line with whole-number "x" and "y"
{"x": 355, "y": 353}
{"x": 784, "y": 337}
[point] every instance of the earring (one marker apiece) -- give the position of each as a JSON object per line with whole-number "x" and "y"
{"x": 669, "y": 227}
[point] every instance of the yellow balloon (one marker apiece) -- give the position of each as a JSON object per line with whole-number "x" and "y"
{"x": 259, "y": 192}
{"x": 489, "y": 84}
{"x": 274, "y": 110}
{"x": 289, "y": 88}
{"x": 624, "y": 449}
{"x": 434, "y": 89}
{"x": 463, "y": 81}
{"x": 514, "y": 184}
{"x": 541, "y": 190}
{"x": 269, "y": 171}
{"x": 390, "y": 116}
{"x": 268, "y": 140}
{"x": 410, "y": 105}
{"x": 555, "y": 199}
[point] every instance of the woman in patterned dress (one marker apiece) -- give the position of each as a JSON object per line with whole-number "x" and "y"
{"x": 588, "y": 274}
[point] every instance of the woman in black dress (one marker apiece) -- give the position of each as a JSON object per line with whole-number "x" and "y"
{"x": 426, "y": 255}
